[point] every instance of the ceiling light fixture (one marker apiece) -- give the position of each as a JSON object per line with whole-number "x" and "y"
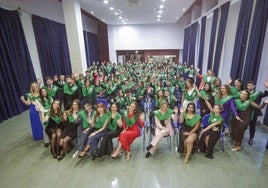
{"x": 111, "y": 8}
{"x": 134, "y": 2}
{"x": 161, "y": 6}
{"x": 105, "y": 1}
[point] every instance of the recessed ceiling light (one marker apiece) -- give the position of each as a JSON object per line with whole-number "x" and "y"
{"x": 161, "y": 6}
{"x": 159, "y": 16}
{"x": 120, "y": 17}
{"x": 103, "y": 20}
{"x": 111, "y": 8}
{"x": 163, "y": 0}
{"x": 116, "y": 13}
{"x": 158, "y": 20}
{"x": 160, "y": 12}
{"x": 105, "y": 1}
{"x": 91, "y": 12}
{"x": 183, "y": 9}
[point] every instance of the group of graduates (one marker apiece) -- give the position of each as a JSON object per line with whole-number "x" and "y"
{"x": 112, "y": 101}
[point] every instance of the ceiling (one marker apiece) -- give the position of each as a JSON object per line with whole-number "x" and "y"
{"x": 120, "y": 12}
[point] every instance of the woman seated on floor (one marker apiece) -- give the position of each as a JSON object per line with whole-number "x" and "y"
{"x": 190, "y": 122}
{"x": 211, "y": 134}
{"x": 163, "y": 127}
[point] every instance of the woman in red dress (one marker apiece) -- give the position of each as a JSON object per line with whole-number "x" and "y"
{"x": 133, "y": 120}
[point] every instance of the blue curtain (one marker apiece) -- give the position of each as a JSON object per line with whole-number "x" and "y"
{"x": 202, "y": 42}
{"x": 52, "y": 45}
{"x": 241, "y": 38}
{"x": 212, "y": 38}
{"x": 192, "y": 43}
{"x": 16, "y": 69}
{"x": 186, "y": 44}
{"x": 255, "y": 43}
{"x": 221, "y": 32}
{"x": 91, "y": 47}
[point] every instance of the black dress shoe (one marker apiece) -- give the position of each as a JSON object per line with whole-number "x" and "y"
{"x": 149, "y": 147}
{"x": 61, "y": 157}
{"x": 46, "y": 145}
{"x": 209, "y": 156}
{"x": 148, "y": 154}
{"x": 94, "y": 157}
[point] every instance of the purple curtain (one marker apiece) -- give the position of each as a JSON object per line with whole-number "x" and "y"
{"x": 186, "y": 44}
{"x": 91, "y": 47}
{"x": 255, "y": 43}
{"x": 241, "y": 38}
{"x": 221, "y": 32}
{"x": 52, "y": 45}
{"x": 212, "y": 38}
{"x": 16, "y": 69}
{"x": 192, "y": 42}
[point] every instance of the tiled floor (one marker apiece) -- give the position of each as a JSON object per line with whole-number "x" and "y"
{"x": 26, "y": 163}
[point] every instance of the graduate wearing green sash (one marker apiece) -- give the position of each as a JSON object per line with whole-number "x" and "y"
{"x": 114, "y": 130}
{"x": 163, "y": 127}
{"x": 51, "y": 122}
{"x": 211, "y": 134}
{"x": 188, "y": 134}
{"x": 243, "y": 106}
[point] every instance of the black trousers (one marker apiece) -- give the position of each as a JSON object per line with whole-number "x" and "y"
{"x": 106, "y": 146}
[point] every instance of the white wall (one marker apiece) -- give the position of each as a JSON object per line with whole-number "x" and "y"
{"x": 139, "y": 37}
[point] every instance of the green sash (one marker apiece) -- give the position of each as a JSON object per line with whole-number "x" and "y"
{"x": 223, "y": 100}
{"x": 129, "y": 122}
{"x": 242, "y": 105}
{"x": 99, "y": 123}
{"x": 191, "y": 122}
{"x": 213, "y": 118}
{"x": 190, "y": 96}
{"x": 69, "y": 90}
{"x": 112, "y": 124}
{"x": 161, "y": 116}
{"x": 253, "y": 96}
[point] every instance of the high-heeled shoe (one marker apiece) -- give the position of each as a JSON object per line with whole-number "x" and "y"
{"x": 237, "y": 148}
{"x": 61, "y": 157}
{"x": 187, "y": 158}
{"x": 116, "y": 154}
{"x": 128, "y": 156}
{"x": 82, "y": 154}
{"x": 148, "y": 154}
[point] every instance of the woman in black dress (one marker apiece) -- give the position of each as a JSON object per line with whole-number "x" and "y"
{"x": 51, "y": 121}
{"x": 70, "y": 123}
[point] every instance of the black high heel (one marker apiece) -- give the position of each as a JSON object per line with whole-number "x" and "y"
{"x": 148, "y": 154}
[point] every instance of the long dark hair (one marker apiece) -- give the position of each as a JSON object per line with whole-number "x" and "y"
{"x": 53, "y": 113}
